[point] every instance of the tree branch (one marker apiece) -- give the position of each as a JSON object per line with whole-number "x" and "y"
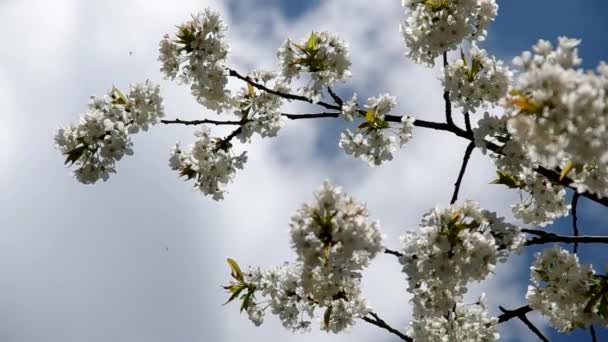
{"x": 575, "y": 219}
{"x": 509, "y": 314}
{"x": 467, "y": 122}
{"x": 463, "y": 168}
{"x": 200, "y": 122}
{"x": 522, "y": 317}
{"x": 335, "y": 96}
{"x": 234, "y": 73}
{"x": 593, "y": 336}
{"x": 392, "y": 252}
{"x": 377, "y": 321}
{"x": 543, "y": 237}
{"x": 446, "y": 96}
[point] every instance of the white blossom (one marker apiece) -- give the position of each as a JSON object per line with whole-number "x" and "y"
{"x": 196, "y": 56}
{"x": 479, "y": 82}
{"x": 563, "y": 288}
{"x": 323, "y": 55}
{"x": 559, "y": 113}
{"x": 334, "y": 241}
{"x": 454, "y": 246}
{"x": 433, "y": 27}
{"x": 349, "y": 109}
{"x": 102, "y": 136}
{"x": 372, "y": 141}
{"x": 542, "y": 201}
{"x": 210, "y": 162}
{"x": 259, "y": 109}
{"x": 469, "y": 323}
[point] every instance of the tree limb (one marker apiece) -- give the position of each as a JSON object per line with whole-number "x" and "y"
{"x": 377, "y": 321}
{"x": 543, "y": 237}
{"x": 575, "y": 219}
{"x": 446, "y": 96}
{"x": 465, "y": 161}
{"x": 200, "y": 122}
{"x": 509, "y": 314}
{"x": 522, "y": 317}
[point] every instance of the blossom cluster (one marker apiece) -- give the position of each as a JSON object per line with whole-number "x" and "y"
{"x": 370, "y": 140}
{"x": 323, "y": 55}
{"x": 480, "y": 82}
{"x": 544, "y": 200}
{"x": 259, "y": 110}
{"x": 433, "y": 27}
{"x": 209, "y": 161}
{"x": 334, "y": 241}
{"x": 196, "y": 55}
{"x": 464, "y": 322}
{"x": 102, "y": 136}
{"x": 559, "y": 112}
{"x": 567, "y": 292}
{"x": 454, "y": 246}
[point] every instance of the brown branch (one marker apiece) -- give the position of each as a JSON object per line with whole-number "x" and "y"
{"x": 463, "y": 168}
{"x": 310, "y": 116}
{"x": 446, "y": 96}
{"x": 509, "y": 314}
{"x": 593, "y": 336}
{"x": 575, "y": 219}
{"x": 234, "y": 73}
{"x": 335, "y": 96}
{"x": 522, "y": 317}
{"x": 379, "y": 322}
{"x": 467, "y": 122}
{"x": 392, "y": 252}
{"x": 543, "y": 237}
{"x": 200, "y": 122}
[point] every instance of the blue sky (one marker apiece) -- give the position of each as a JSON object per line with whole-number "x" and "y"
{"x": 141, "y": 257}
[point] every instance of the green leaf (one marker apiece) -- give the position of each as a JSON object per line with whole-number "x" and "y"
{"x": 464, "y": 60}
{"x": 365, "y": 125}
{"x": 311, "y": 44}
{"x": 235, "y": 289}
{"x": 327, "y": 315}
{"x": 236, "y": 270}
{"x": 188, "y": 172}
{"x": 566, "y": 170}
{"x": 247, "y": 301}
{"x": 75, "y": 154}
{"x": 118, "y": 97}
{"x": 504, "y": 178}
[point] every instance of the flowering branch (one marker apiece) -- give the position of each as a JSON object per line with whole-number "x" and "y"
{"x": 377, "y": 321}
{"x": 465, "y": 161}
{"x": 526, "y": 321}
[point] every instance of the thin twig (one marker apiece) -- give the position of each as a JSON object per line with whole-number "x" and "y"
{"x": 463, "y": 168}
{"x": 310, "y": 116}
{"x": 543, "y": 237}
{"x": 446, "y": 96}
{"x": 335, "y": 96}
{"x": 509, "y": 314}
{"x": 392, "y": 252}
{"x": 467, "y": 122}
{"x": 593, "y": 336}
{"x": 379, "y": 322}
{"x": 575, "y": 219}
{"x": 522, "y": 317}
{"x": 200, "y": 122}
{"x": 234, "y": 73}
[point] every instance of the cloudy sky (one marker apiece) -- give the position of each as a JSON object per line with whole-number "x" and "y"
{"x": 142, "y": 256}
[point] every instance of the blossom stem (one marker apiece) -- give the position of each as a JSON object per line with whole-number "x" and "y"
{"x": 465, "y": 161}
{"x": 379, "y": 322}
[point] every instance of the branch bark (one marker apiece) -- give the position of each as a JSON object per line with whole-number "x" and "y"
{"x": 543, "y": 237}
{"x": 377, "y": 321}
{"x": 463, "y": 168}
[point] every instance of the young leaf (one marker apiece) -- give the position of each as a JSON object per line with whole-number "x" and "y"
{"x": 327, "y": 315}
{"x": 506, "y": 179}
{"x": 566, "y": 170}
{"x": 311, "y": 45}
{"x": 75, "y": 154}
{"x": 236, "y": 270}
